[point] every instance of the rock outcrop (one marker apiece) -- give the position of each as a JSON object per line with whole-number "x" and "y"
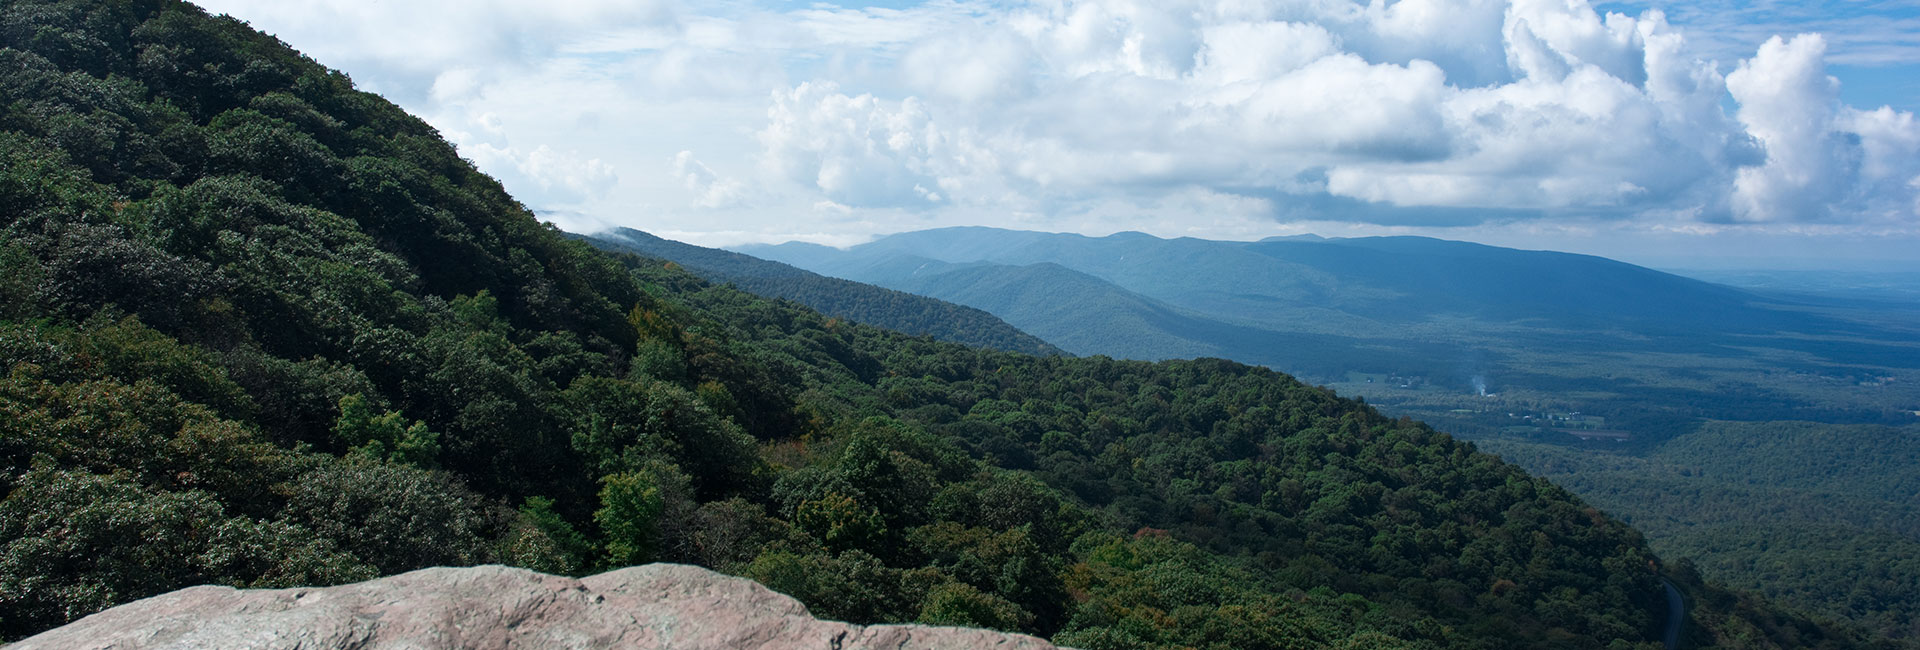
{"x": 494, "y": 607}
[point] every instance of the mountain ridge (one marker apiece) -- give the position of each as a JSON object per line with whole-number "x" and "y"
{"x": 901, "y": 311}
{"x": 1437, "y": 304}
{"x": 1278, "y": 270}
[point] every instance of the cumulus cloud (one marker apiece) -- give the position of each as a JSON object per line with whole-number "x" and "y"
{"x": 709, "y": 189}
{"x": 1249, "y": 52}
{"x": 1063, "y": 114}
{"x": 859, "y": 151}
{"x": 1545, "y": 107}
{"x": 1889, "y": 162}
{"x": 1345, "y": 107}
{"x": 545, "y": 176}
{"x": 1824, "y": 161}
{"x": 969, "y": 67}
{"x": 1551, "y": 38}
{"x": 1788, "y": 103}
{"x": 1463, "y": 38}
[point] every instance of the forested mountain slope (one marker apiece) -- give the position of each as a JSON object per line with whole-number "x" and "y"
{"x": 261, "y": 329}
{"x": 1089, "y": 315}
{"x": 1382, "y": 280}
{"x": 886, "y": 308}
{"x": 1079, "y": 312}
{"x": 1820, "y": 516}
{"x": 1445, "y": 321}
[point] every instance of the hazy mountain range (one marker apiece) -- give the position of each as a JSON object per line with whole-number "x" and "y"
{"x": 895, "y": 310}
{"x": 1379, "y": 304}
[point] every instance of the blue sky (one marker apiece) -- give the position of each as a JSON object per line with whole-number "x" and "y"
{"x": 1874, "y": 45}
{"x": 1704, "y": 134}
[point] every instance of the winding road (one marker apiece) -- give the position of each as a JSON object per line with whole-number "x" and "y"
{"x": 1676, "y": 614}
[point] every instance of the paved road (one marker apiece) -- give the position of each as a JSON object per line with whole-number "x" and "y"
{"x": 1676, "y": 614}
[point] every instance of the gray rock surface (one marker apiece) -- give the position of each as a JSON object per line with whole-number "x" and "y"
{"x": 494, "y": 607}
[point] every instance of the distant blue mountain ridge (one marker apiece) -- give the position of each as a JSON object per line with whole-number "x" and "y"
{"x": 1323, "y": 308}
{"x": 891, "y": 309}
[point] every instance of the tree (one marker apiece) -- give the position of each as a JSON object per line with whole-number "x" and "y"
{"x": 629, "y": 518}
{"x": 383, "y": 437}
{"x": 958, "y": 603}
{"x": 841, "y": 522}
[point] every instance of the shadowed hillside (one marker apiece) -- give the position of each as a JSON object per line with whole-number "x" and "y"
{"x": 896, "y": 310}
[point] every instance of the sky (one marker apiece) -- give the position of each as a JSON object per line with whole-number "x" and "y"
{"x": 1703, "y": 134}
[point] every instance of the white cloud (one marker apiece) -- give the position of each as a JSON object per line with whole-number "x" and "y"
{"x": 1889, "y": 189}
{"x": 1341, "y": 106}
{"x": 1068, "y": 114}
{"x": 1462, "y": 37}
{"x": 402, "y": 48}
{"x": 1788, "y": 103}
{"x": 969, "y": 67}
{"x": 1242, "y": 52}
{"x": 1858, "y": 33}
{"x": 859, "y": 151}
{"x": 555, "y": 177}
{"x": 1137, "y": 37}
{"x": 709, "y": 189}
{"x": 1551, "y": 37}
